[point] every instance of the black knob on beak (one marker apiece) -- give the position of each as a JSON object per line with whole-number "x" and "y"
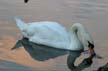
{"x": 90, "y": 45}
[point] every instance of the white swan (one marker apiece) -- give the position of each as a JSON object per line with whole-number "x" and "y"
{"x": 54, "y": 35}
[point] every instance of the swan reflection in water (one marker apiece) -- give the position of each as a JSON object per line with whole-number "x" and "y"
{"x": 42, "y": 53}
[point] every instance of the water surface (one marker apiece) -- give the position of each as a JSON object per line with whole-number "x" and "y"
{"x": 91, "y": 13}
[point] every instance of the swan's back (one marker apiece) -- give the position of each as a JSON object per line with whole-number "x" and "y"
{"x": 53, "y": 26}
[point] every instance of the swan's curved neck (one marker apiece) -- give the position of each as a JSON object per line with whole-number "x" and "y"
{"x": 74, "y": 31}
{"x": 79, "y": 30}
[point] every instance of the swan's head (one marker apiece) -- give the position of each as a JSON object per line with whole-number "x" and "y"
{"x": 87, "y": 40}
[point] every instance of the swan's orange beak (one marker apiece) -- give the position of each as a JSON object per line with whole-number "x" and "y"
{"x": 91, "y": 51}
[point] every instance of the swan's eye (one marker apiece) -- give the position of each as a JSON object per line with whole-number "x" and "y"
{"x": 90, "y": 45}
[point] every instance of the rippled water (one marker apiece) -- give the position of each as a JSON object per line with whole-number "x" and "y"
{"x": 91, "y": 13}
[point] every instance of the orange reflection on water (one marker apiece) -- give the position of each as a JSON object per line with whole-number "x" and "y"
{"x": 20, "y": 56}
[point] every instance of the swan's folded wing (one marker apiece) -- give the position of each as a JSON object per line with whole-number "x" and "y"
{"x": 51, "y": 35}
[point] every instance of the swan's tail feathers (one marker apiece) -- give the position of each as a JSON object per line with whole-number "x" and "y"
{"x": 17, "y": 45}
{"x": 21, "y": 25}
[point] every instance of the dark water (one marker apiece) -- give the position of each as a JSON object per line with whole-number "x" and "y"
{"x": 91, "y": 13}
{"x": 42, "y": 53}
